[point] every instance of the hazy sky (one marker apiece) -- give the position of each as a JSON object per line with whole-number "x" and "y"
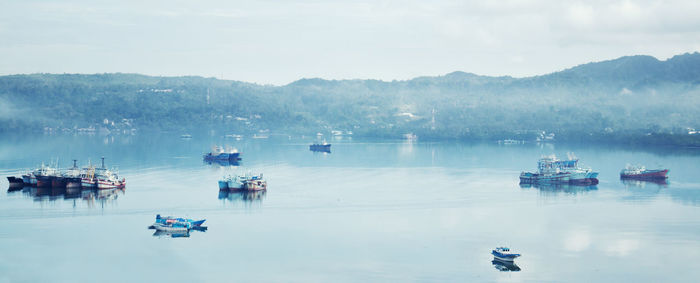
{"x": 277, "y": 42}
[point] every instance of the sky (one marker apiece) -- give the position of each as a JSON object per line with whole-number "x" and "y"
{"x": 278, "y": 42}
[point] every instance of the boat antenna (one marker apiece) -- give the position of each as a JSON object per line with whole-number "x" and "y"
{"x": 103, "y": 162}
{"x": 75, "y": 164}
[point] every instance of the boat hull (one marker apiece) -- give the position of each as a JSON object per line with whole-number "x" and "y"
{"x": 58, "y": 182}
{"x": 73, "y": 182}
{"x": 646, "y": 175}
{"x": 43, "y": 181}
{"x": 170, "y": 228}
{"x": 504, "y": 257}
{"x": 88, "y": 183}
{"x": 107, "y": 184}
{"x": 15, "y": 182}
{"x": 255, "y": 185}
{"x": 583, "y": 178}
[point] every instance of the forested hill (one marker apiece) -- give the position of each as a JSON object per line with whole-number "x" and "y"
{"x": 628, "y": 98}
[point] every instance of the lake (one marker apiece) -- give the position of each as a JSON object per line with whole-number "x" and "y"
{"x": 372, "y": 210}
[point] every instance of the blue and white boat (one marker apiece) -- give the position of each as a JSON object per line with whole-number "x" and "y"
{"x": 551, "y": 170}
{"x": 170, "y": 220}
{"x": 504, "y": 254}
{"x": 219, "y": 154}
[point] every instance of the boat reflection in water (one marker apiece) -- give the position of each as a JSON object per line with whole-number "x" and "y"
{"x": 505, "y": 265}
{"x": 40, "y": 194}
{"x": 224, "y": 163}
{"x": 559, "y": 188}
{"x": 662, "y": 183}
{"x": 243, "y": 196}
{"x": 169, "y": 234}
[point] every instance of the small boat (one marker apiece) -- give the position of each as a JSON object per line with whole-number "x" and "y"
{"x": 186, "y": 136}
{"x": 641, "y": 173}
{"x": 322, "y": 147}
{"x": 504, "y": 254}
{"x": 170, "y": 220}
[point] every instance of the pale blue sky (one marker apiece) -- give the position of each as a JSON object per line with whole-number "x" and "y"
{"x": 277, "y": 42}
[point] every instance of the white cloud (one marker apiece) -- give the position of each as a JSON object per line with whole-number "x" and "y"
{"x": 280, "y": 41}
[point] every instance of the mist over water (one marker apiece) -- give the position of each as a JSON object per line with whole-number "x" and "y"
{"x": 371, "y": 210}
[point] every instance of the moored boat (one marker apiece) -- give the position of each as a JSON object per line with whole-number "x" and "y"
{"x": 255, "y": 183}
{"x": 219, "y": 154}
{"x": 551, "y": 170}
{"x": 170, "y": 220}
{"x": 504, "y": 254}
{"x": 247, "y": 182}
{"x": 641, "y": 173}
{"x": 72, "y": 176}
{"x": 107, "y": 178}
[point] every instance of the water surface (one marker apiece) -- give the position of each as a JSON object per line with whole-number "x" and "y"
{"x": 372, "y": 210}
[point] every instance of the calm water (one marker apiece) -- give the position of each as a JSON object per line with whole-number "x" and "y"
{"x": 369, "y": 211}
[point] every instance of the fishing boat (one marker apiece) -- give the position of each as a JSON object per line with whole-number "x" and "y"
{"x": 45, "y": 176}
{"x": 232, "y": 182}
{"x": 641, "y": 173}
{"x": 255, "y": 183}
{"x": 170, "y": 220}
{"x": 504, "y": 254}
{"x": 235, "y": 182}
{"x": 101, "y": 178}
{"x": 72, "y": 176}
{"x": 321, "y": 147}
{"x": 218, "y": 153}
{"x": 87, "y": 177}
{"x": 551, "y": 170}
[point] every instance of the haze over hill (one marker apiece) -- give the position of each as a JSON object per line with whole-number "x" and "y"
{"x": 631, "y": 99}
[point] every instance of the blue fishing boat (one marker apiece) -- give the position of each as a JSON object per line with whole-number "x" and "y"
{"x": 219, "y": 154}
{"x": 504, "y": 254}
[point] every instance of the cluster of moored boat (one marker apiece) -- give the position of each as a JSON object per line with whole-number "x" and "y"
{"x": 551, "y": 170}
{"x": 245, "y": 182}
{"x": 73, "y": 177}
